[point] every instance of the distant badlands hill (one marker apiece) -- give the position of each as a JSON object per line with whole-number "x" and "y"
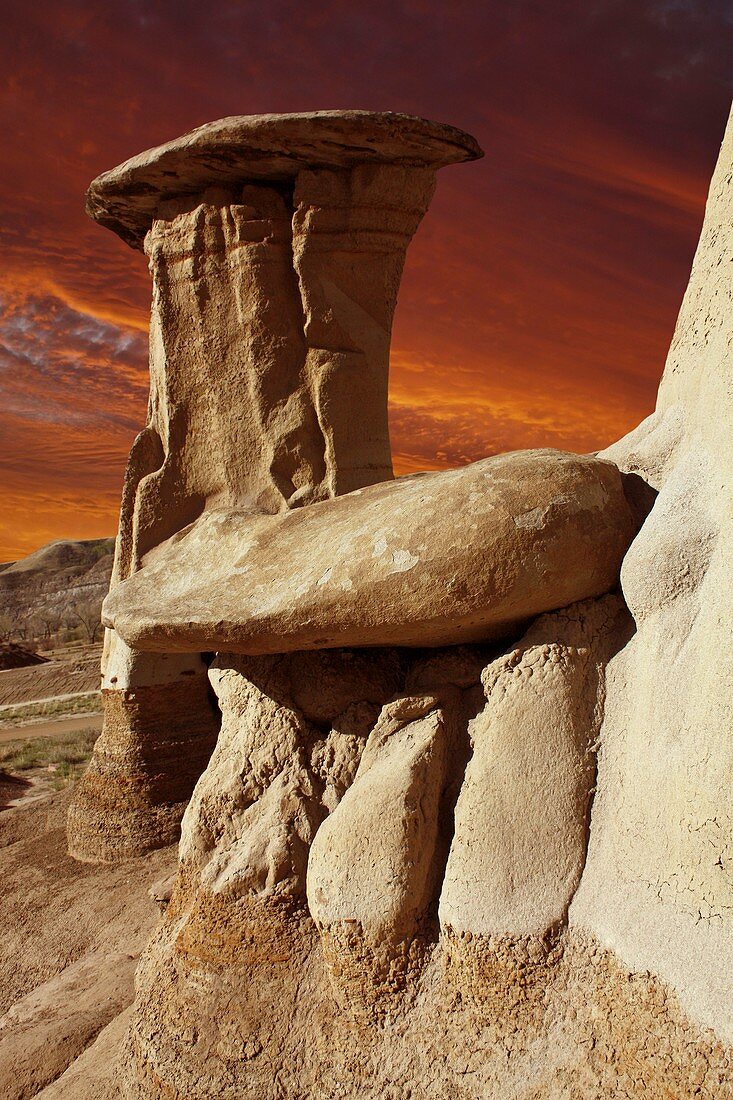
{"x": 47, "y": 584}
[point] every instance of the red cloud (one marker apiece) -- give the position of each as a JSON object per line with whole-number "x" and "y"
{"x": 539, "y": 295}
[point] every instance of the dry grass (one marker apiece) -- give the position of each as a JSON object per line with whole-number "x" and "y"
{"x": 65, "y": 757}
{"x": 89, "y": 703}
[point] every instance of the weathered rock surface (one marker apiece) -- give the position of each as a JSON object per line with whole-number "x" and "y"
{"x": 240, "y": 987}
{"x": 276, "y": 246}
{"x": 432, "y": 559}
{"x": 266, "y": 147}
{"x": 361, "y": 871}
{"x": 160, "y": 727}
{"x": 45, "y": 1031}
{"x": 372, "y": 866}
{"x": 569, "y": 958}
{"x": 522, "y": 818}
{"x": 658, "y": 886}
{"x": 279, "y": 767}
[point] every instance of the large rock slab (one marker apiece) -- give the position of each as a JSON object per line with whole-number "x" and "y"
{"x": 431, "y": 559}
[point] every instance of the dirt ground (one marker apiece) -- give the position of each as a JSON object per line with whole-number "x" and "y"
{"x": 67, "y": 676}
{"x": 71, "y": 934}
{"x": 50, "y": 728}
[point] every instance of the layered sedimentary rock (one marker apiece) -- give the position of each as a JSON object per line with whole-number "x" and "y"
{"x": 38, "y": 591}
{"x": 460, "y": 555}
{"x": 269, "y": 147}
{"x": 160, "y": 727}
{"x": 493, "y": 870}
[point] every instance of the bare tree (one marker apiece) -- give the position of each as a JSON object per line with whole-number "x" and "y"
{"x": 89, "y": 615}
{"x": 49, "y": 621}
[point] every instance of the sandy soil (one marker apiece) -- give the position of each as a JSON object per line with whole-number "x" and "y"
{"x": 63, "y": 677}
{"x": 71, "y": 934}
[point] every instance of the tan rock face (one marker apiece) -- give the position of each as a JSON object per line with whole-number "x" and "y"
{"x": 360, "y": 871}
{"x": 276, "y": 246}
{"x": 270, "y": 324}
{"x": 426, "y": 560}
{"x": 372, "y": 866}
{"x": 521, "y": 822}
{"x": 284, "y": 758}
{"x": 476, "y": 872}
{"x": 658, "y": 885}
{"x": 376, "y": 997}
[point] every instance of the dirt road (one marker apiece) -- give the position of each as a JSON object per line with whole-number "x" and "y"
{"x": 54, "y": 727}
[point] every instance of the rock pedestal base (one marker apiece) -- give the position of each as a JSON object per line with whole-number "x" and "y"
{"x": 235, "y": 999}
{"x": 155, "y": 743}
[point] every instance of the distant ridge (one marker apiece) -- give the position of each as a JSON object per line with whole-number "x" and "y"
{"x": 44, "y": 586}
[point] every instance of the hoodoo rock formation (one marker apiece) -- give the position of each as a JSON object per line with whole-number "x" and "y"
{"x": 466, "y": 828}
{"x": 276, "y": 245}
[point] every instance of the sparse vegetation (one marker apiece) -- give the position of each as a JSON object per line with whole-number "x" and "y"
{"x": 66, "y": 757}
{"x": 89, "y": 703}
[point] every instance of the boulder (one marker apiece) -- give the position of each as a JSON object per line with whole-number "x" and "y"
{"x": 371, "y": 863}
{"x": 427, "y": 560}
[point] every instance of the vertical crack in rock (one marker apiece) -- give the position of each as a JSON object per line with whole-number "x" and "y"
{"x": 351, "y": 229}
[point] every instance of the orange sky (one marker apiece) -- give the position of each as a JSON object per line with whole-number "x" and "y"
{"x": 539, "y": 294}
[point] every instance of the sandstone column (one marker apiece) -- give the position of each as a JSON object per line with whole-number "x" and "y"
{"x": 160, "y": 728}
{"x": 276, "y": 245}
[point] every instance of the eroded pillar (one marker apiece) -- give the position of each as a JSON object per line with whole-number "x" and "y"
{"x": 276, "y": 246}
{"x": 160, "y": 727}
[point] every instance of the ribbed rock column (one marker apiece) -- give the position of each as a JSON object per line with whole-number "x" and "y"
{"x": 351, "y": 229}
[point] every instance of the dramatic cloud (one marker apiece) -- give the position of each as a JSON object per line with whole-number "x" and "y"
{"x": 539, "y": 295}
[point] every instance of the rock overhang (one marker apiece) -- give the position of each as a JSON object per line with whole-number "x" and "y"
{"x": 433, "y": 559}
{"x": 242, "y": 149}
